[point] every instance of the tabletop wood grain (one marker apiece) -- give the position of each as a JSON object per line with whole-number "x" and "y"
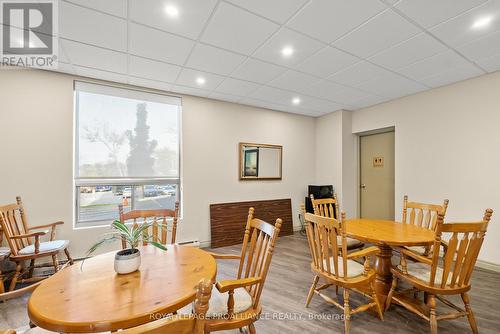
{"x": 96, "y": 299}
{"x": 389, "y": 233}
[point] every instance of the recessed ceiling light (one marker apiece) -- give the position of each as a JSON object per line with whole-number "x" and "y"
{"x": 287, "y": 51}
{"x": 482, "y": 22}
{"x": 200, "y": 81}
{"x": 296, "y": 100}
{"x": 171, "y": 11}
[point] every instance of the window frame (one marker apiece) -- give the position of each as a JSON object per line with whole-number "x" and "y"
{"x": 118, "y": 181}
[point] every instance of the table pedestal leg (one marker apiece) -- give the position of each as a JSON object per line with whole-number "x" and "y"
{"x": 383, "y": 278}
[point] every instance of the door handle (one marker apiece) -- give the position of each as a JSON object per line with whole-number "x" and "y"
{"x": 363, "y": 186}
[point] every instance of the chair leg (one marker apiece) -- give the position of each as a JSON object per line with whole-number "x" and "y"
{"x": 70, "y": 259}
{"x": 347, "y": 312}
{"x": 377, "y": 301}
{"x": 13, "y": 282}
{"x": 470, "y": 314}
{"x": 432, "y": 305}
{"x": 55, "y": 263}
{"x": 251, "y": 329}
{"x": 32, "y": 268}
{"x": 391, "y": 293}
{"x": 311, "y": 290}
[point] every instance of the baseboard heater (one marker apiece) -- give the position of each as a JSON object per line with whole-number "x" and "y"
{"x": 194, "y": 243}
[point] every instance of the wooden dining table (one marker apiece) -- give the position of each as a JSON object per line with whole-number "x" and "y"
{"x": 92, "y": 298}
{"x": 386, "y": 234}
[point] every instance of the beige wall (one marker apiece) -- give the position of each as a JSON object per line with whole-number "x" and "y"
{"x": 36, "y": 117}
{"x": 447, "y": 146}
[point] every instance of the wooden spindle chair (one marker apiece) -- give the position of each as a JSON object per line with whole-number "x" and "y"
{"x": 237, "y": 303}
{"x": 26, "y": 245}
{"x": 330, "y": 207}
{"x": 192, "y": 324}
{"x": 339, "y": 268}
{"x": 159, "y": 217}
{"x": 423, "y": 215}
{"x": 437, "y": 277}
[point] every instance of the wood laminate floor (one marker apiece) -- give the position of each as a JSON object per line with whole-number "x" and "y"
{"x": 285, "y": 292}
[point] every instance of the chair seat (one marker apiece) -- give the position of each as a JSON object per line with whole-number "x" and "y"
{"x": 353, "y": 268}
{"x": 420, "y": 250}
{"x": 218, "y": 302}
{"x": 351, "y": 243}
{"x": 48, "y": 246}
{"x": 4, "y": 252}
{"x": 422, "y": 272}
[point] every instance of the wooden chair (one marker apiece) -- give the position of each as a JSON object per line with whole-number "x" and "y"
{"x": 159, "y": 218}
{"x": 339, "y": 269}
{"x": 329, "y": 207}
{"x": 236, "y": 303}
{"x": 452, "y": 277}
{"x": 423, "y": 215}
{"x": 25, "y": 244}
{"x": 192, "y": 324}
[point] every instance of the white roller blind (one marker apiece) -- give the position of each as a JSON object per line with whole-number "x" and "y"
{"x": 125, "y": 134}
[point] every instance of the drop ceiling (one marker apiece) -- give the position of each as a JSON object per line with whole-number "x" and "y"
{"x": 345, "y": 54}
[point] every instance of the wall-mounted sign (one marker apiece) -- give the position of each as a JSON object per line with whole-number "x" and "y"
{"x": 378, "y": 162}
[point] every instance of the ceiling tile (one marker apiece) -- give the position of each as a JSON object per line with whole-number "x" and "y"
{"x": 237, "y": 30}
{"x": 320, "y": 105}
{"x": 276, "y": 10}
{"x": 328, "y": 20}
{"x": 257, "y": 71}
{"x": 303, "y": 47}
{"x": 64, "y": 68}
{"x": 431, "y": 12}
{"x": 236, "y": 87}
{"x": 154, "y": 70}
{"x": 459, "y": 31}
{"x": 349, "y": 96}
{"x": 141, "y": 82}
{"x": 98, "y": 74}
{"x": 188, "y": 78}
{"x": 192, "y": 17}
{"x": 273, "y": 95}
{"x": 451, "y": 76}
{"x": 391, "y": 85}
{"x": 292, "y": 80}
{"x": 88, "y": 26}
{"x": 410, "y": 51}
{"x": 215, "y": 60}
{"x": 324, "y": 89}
{"x": 155, "y": 44}
{"x": 114, "y": 7}
{"x": 379, "y": 33}
{"x": 94, "y": 57}
{"x": 359, "y": 72}
{"x": 369, "y": 101}
{"x": 190, "y": 91}
{"x": 490, "y": 64}
{"x": 434, "y": 65}
{"x": 482, "y": 48}
{"x": 326, "y": 62}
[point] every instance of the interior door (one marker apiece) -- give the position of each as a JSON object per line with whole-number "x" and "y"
{"x": 377, "y": 176}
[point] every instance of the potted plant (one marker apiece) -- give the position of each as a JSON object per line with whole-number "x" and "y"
{"x": 128, "y": 260}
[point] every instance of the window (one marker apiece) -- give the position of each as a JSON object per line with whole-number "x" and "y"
{"x": 127, "y": 152}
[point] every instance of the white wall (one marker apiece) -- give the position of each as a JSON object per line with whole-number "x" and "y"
{"x": 447, "y": 146}
{"x": 36, "y": 117}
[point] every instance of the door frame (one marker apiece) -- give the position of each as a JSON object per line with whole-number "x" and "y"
{"x": 358, "y": 162}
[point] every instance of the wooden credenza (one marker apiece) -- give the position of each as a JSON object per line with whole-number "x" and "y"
{"x": 228, "y": 220}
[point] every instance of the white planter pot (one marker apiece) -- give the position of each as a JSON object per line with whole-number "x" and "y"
{"x": 127, "y": 262}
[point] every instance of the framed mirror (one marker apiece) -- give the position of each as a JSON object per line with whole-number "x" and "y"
{"x": 260, "y": 161}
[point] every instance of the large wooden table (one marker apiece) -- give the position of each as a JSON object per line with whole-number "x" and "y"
{"x": 386, "y": 234}
{"x": 96, "y": 299}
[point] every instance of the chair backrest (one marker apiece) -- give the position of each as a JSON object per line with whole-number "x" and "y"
{"x": 322, "y": 235}
{"x": 421, "y": 214}
{"x": 192, "y": 324}
{"x": 461, "y": 252}
{"x": 326, "y": 207}
{"x": 159, "y": 219}
{"x": 13, "y": 223}
{"x": 257, "y": 251}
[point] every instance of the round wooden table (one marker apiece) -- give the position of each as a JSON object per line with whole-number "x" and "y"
{"x": 96, "y": 299}
{"x": 386, "y": 234}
